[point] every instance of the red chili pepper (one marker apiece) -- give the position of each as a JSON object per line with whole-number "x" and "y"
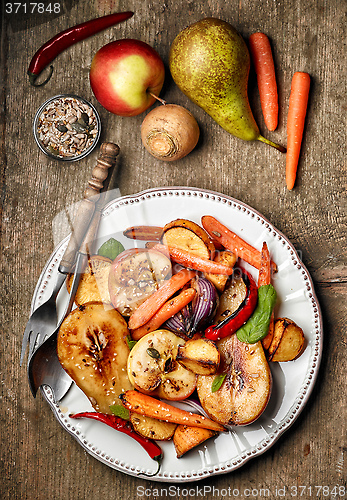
{"x": 153, "y": 450}
{"x": 68, "y": 37}
{"x": 233, "y": 322}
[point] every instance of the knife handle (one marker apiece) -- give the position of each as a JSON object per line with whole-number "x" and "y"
{"x": 91, "y": 196}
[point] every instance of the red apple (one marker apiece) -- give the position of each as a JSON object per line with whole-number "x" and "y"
{"x": 124, "y": 74}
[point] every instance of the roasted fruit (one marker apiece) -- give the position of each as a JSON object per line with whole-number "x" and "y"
{"x": 187, "y": 235}
{"x": 153, "y": 368}
{"x": 200, "y": 356}
{"x": 92, "y": 347}
{"x": 288, "y": 341}
{"x": 93, "y": 286}
{"x": 134, "y": 275}
{"x": 245, "y": 391}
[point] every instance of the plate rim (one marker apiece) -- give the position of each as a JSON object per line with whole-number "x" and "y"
{"x": 301, "y": 398}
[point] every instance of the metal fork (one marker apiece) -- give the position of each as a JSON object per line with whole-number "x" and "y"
{"x": 43, "y": 320}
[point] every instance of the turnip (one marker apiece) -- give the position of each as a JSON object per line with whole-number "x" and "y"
{"x": 169, "y": 132}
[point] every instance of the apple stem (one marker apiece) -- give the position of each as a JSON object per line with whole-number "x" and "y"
{"x": 273, "y": 144}
{"x": 158, "y": 98}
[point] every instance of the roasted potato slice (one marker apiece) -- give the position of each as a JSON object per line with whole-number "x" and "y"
{"x": 152, "y": 428}
{"x": 93, "y": 286}
{"x": 186, "y": 438}
{"x": 200, "y": 356}
{"x": 187, "y": 235}
{"x": 288, "y": 341}
{"x": 220, "y": 280}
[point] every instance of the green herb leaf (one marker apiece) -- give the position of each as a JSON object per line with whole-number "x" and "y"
{"x": 111, "y": 248}
{"x": 218, "y": 381}
{"x": 257, "y": 327}
{"x": 120, "y": 411}
{"x": 130, "y": 342}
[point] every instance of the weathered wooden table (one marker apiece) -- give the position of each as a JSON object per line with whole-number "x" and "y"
{"x": 38, "y": 458}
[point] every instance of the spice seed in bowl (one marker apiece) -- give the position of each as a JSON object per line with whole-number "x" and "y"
{"x": 67, "y": 127}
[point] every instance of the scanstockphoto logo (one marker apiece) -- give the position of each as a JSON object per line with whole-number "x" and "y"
{"x": 193, "y": 492}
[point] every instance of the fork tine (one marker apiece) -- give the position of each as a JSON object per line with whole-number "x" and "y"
{"x": 26, "y": 339}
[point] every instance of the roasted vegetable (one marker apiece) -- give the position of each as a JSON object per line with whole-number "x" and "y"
{"x": 288, "y": 341}
{"x": 151, "y": 407}
{"x": 237, "y": 305}
{"x": 196, "y": 314}
{"x": 200, "y": 356}
{"x": 152, "y": 428}
{"x": 93, "y": 286}
{"x": 186, "y": 438}
{"x": 186, "y": 235}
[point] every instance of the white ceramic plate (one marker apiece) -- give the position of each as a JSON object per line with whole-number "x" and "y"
{"x": 293, "y": 381}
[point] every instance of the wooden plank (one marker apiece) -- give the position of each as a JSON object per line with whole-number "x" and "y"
{"x": 39, "y": 459}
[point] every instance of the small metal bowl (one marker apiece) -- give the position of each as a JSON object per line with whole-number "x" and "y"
{"x": 67, "y": 127}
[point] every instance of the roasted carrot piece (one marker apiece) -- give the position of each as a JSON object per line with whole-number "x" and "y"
{"x": 154, "y": 302}
{"x": 185, "y": 438}
{"x": 261, "y": 53}
{"x": 265, "y": 279}
{"x": 171, "y": 307}
{"x": 233, "y": 242}
{"x": 151, "y": 407}
{"x": 191, "y": 261}
{"x": 152, "y": 233}
{"x": 295, "y": 123}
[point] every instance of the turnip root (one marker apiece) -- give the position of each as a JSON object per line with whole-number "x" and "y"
{"x": 169, "y": 132}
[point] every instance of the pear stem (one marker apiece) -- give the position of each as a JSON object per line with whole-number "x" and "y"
{"x": 273, "y": 144}
{"x": 158, "y": 98}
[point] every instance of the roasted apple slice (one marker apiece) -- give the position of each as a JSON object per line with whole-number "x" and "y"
{"x": 153, "y": 368}
{"x": 288, "y": 341}
{"x": 245, "y": 390}
{"x": 187, "y": 235}
{"x": 152, "y": 428}
{"x": 200, "y": 356}
{"x": 93, "y": 286}
{"x": 92, "y": 347}
{"x": 134, "y": 275}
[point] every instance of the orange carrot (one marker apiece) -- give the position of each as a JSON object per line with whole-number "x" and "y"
{"x": 154, "y": 302}
{"x": 233, "y": 242}
{"x": 265, "y": 279}
{"x": 147, "y": 405}
{"x": 265, "y": 267}
{"x": 192, "y": 261}
{"x": 171, "y": 307}
{"x": 153, "y": 233}
{"x": 295, "y": 123}
{"x": 260, "y": 49}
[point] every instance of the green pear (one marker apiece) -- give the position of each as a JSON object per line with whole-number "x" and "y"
{"x": 210, "y": 62}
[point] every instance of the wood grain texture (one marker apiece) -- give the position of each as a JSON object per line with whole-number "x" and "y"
{"x": 38, "y": 458}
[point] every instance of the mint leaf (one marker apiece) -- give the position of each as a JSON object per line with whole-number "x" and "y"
{"x": 111, "y": 248}
{"x": 120, "y": 411}
{"x": 130, "y": 342}
{"x": 217, "y": 382}
{"x": 257, "y": 327}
